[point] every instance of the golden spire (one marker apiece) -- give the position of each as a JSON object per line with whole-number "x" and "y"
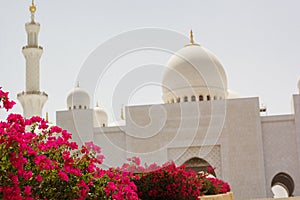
{"x": 32, "y": 8}
{"x": 122, "y": 113}
{"x": 192, "y": 42}
{"x": 47, "y": 116}
{"x": 191, "y": 37}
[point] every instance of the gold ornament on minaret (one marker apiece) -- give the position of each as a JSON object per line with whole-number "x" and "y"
{"x": 32, "y": 8}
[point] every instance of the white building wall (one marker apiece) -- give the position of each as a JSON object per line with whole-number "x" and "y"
{"x": 179, "y": 129}
{"x": 112, "y": 141}
{"x": 296, "y": 105}
{"x": 77, "y": 122}
{"x": 280, "y": 149}
{"x": 241, "y": 149}
{"x": 247, "y": 149}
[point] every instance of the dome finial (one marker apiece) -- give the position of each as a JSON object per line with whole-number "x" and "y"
{"x": 77, "y": 84}
{"x": 122, "y": 113}
{"x": 32, "y": 8}
{"x": 191, "y": 37}
{"x": 97, "y": 104}
{"x": 192, "y": 42}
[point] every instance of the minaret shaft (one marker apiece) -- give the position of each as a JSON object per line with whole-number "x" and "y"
{"x": 32, "y": 56}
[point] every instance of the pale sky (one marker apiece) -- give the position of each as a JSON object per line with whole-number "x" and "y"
{"x": 257, "y": 42}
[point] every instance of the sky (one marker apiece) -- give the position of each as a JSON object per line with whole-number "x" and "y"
{"x": 257, "y": 42}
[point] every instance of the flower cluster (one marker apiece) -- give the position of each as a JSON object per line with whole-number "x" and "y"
{"x": 169, "y": 182}
{"x": 212, "y": 185}
{"x": 39, "y": 161}
{"x": 173, "y": 182}
{"x": 7, "y": 104}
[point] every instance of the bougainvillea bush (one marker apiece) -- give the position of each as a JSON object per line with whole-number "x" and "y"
{"x": 170, "y": 182}
{"x": 39, "y": 161}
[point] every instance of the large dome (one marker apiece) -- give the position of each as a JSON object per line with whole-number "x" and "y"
{"x": 194, "y": 74}
{"x": 78, "y": 99}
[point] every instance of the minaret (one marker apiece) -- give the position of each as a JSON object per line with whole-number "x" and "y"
{"x": 32, "y": 99}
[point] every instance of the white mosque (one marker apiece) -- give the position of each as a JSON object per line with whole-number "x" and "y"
{"x": 199, "y": 124}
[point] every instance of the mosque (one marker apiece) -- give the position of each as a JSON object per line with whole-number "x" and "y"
{"x": 199, "y": 124}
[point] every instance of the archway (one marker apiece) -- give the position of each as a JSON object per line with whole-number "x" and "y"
{"x": 199, "y": 165}
{"x": 282, "y": 185}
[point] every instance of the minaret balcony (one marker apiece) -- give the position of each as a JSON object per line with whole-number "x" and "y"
{"x": 33, "y": 92}
{"x": 27, "y": 47}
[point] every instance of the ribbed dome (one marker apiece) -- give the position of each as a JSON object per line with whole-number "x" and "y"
{"x": 194, "y": 74}
{"x": 78, "y": 99}
{"x": 100, "y": 117}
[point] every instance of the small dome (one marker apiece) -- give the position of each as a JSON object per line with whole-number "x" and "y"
{"x": 194, "y": 74}
{"x": 78, "y": 99}
{"x": 100, "y": 117}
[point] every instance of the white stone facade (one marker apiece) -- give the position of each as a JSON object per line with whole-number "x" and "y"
{"x": 247, "y": 149}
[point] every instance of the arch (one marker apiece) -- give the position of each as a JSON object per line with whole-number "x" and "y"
{"x": 198, "y": 165}
{"x": 284, "y": 180}
{"x": 200, "y": 97}
{"x": 178, "y": 100}
{"x": 172, "y": 100}
{"x": 193, "y": 98}
{"x": 208, "y": 97}
{"x": 185, "y": 99}
{"x": 215, "y": 97}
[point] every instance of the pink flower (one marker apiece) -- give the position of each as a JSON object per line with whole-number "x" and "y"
{"x": 27, "y": 190}
{"x": 27, "y": 175}
{"x": 55, "y": 129}
{"x": 63, "y": 176}
{"x": 39, "y": 178}
{"x": 66, "y": 155}
{"x": 92, "y": 147}
{"x": 14, "y": 179}
{"x": 136, "y": 160}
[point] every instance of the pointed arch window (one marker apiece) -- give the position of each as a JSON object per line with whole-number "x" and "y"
{"x": 200, "y": 98}
{"x": 185, "y": 99}
{"x": 193, "y": 98}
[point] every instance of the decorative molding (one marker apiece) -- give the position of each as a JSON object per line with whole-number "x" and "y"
{"x": 211, "y": 153}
